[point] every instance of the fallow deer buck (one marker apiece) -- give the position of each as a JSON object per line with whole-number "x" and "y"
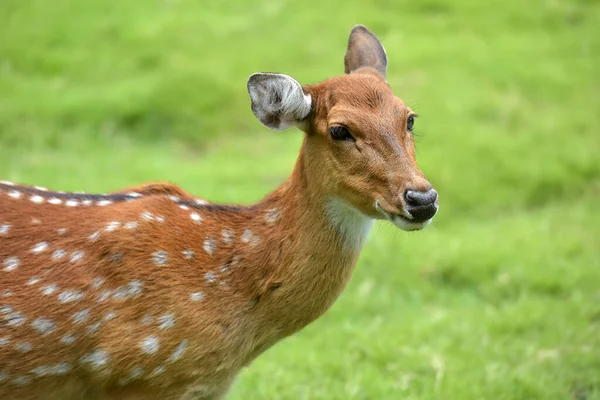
{"x": 151, "y": 293}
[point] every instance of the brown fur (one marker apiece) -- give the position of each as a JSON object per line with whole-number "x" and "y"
{"x": 265, "y": 271}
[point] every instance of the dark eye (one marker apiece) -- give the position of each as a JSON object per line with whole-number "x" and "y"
{"x": 339, "y": 132}
{"x": 410, "y": 123}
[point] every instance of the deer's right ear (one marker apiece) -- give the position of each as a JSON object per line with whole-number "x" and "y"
{"x": 278, "y": 100}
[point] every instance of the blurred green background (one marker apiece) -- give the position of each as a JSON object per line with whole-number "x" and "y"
{"x": 498, "y": 299}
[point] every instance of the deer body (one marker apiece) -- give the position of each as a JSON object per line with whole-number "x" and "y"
{"x": 151, "y": 293}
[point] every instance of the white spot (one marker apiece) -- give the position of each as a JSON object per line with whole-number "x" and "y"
{"x": 110, "y": 316}
{"x": 210, "y": 277}
{"x": 184, "y": 207}
{"x": 55, "y": 201}
{"x": 174, "y": 198}
{"x": 131, "y": 225}
{"x": 160, "y": 219}
{"x": 61, "y": 231}
{"x": 210, "y": 244}
{"x": 94, "y": 236}
{"x": 105, "y": 295}
{"x": 246, "y": 236}
{"x": 160, "y": 257}
{"x": 69, "y": 296}
{"x": 272, "y": 215}
{"x": 133, "y": 289}
{"x": 147, "y": 319}
{"x": 15, "y": 319}
{"x": 77, "y": 256}
{"x": 93, "y": 328}
{"x": 178, "y": 353}
{"x": 33, "y": 281}
{"x": 103, "y": 203}
{"x": 41, "y": 246}
{"x": 249, "y": 237}
{"x": 58, "y": 254}
{"x": 80, "y": 316}
{"x": 200, "y": 202}
{"x": 6, "y": 293}
{"x": 195, "y": 217}
{"x": 15, "y": 195}
{"x": 136, "y": 286}
{"x": 96, "y": 359}
{"x": 4, "y": 341}
{"x": 166, "y": 321}
{"x": 35, "y": 221}
{"x": 87, "y": 202}
{"x": 43, "y": 325}
{"x": 68, "y": 339}
{"x": 71, "y": 203}
{"x": 134, "y": 194}
{"x": 7, "y": 183}
{"x": 150, "y": 345}
{"x": 157, "y": 371}
{"x": 227, "y": 236}
{"x": 6, "y": 309}
{"x": 49, "y": 289}
{"x": 197, "y": 296}
{"x": 37, "y": 199}
{"x": 147, "y": 216}
{"x": 97, "y": 282}
{"x": 40, "y": 188}
{"x": 188, "y": 254}
{"x": 11, "y": 263}
{"x": 22, "y": 380}
{"x": 23, "y": 347}
{"x": 61, "y": 368}
{"x": 112, "y": 226}
{"x": 4, "y": 228}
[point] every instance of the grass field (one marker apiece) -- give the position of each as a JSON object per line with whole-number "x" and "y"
{"x": 498, "y": 299}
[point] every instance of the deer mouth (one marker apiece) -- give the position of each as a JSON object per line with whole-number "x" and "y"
{"x": 401, "y": 221}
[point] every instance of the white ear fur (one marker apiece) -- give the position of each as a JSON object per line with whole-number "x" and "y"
{"x": 278, "y": 100}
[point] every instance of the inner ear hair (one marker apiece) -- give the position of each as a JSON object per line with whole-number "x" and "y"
{"x": 278, "y": 100}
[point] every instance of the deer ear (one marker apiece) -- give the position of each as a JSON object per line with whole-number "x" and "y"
{"x": 365, "y": 50}
{"x": 278, "y": 100}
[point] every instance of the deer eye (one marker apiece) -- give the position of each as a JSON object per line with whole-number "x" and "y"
{"x": 339, "y": 132}
{"x": 410, "y": 123}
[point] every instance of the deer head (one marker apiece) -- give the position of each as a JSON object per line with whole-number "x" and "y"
{"x": 358, "y": 149}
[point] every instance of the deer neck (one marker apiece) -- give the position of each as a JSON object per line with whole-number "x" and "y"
{"x": 321, "y": 220}
{"x": 318, "y": 242}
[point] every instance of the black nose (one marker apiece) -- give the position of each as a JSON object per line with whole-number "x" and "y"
{"x": 421, "y": 205}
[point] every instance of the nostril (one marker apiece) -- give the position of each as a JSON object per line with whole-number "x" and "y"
{"x": 415, "y": 198}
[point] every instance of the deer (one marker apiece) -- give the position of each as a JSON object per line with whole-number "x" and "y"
{"x": 151, "y": 293}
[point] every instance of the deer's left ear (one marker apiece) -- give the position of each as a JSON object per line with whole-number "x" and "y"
{"x": 278, "y": 100}
{"x": 365, "y": 51}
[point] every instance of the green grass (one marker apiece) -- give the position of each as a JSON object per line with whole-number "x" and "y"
{"x": 498, "y": 299}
